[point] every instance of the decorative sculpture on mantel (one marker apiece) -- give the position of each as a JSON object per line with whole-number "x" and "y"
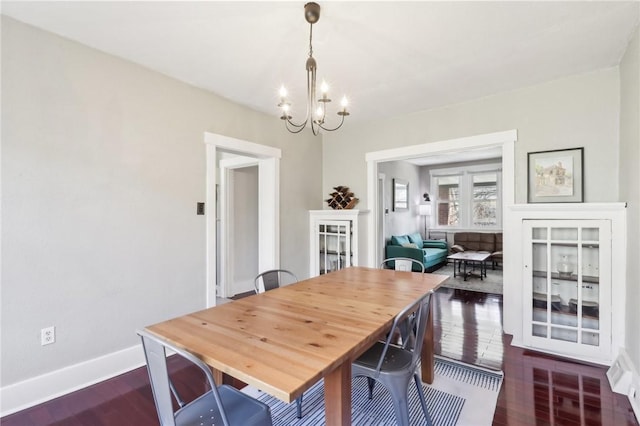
{"x": 342, "y": 198}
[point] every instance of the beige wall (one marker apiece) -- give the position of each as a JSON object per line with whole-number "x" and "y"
{"x": 630, "y": 185}
{"x": 103, "y": 162}
{"x": 572, "y": 112}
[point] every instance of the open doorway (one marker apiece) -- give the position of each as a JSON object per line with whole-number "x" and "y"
{"x": 240, "y": 202}
{"x": 244, "y": 154}
{"x": 504, "y": 141}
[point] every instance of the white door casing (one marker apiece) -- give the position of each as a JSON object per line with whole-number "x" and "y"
{"x": 267, "y": 159}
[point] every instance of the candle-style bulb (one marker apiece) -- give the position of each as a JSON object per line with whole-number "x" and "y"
{"x": 344, "y": 102}
{"x": 283, "y": 92}
{"x": 324, "y": 87}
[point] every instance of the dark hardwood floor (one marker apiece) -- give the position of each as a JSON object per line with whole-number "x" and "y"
{"x": 537, "y": 389}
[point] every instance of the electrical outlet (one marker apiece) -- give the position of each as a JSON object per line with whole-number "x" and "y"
{"x": 48, "y": 335}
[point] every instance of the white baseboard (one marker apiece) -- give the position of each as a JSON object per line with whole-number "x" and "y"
{"x": 624, "y": 379}
{"x": 36, "y": 390}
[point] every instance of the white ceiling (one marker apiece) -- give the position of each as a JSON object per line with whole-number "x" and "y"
{"x": 390, "y": 58}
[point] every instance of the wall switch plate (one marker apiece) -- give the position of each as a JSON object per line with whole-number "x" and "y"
{"x": 48, "y": 335}
{"x": 200, "y": 209}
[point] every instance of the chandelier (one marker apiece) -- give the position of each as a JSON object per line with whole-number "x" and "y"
{"x": 316, "y": 107}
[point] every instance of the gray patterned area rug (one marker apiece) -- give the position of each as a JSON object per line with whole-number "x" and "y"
{"x": 460, "y": 395}
{"x": 492, "y": 283}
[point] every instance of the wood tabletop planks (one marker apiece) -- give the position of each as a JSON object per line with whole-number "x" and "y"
{"x": 283, "y": 341}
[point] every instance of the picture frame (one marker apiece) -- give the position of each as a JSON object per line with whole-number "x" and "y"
{"x": 555, "y": 176}
{"x": 400, "y": 195}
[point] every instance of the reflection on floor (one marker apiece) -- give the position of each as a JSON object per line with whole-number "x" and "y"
{"x": 469, "y": 327}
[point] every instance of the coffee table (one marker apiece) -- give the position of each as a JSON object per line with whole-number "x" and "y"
{"x": 471, "y": 259}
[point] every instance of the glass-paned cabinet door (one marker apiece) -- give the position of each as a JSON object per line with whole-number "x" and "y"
{"x": 567, "y": 285}
{"x": 334, "y": 245}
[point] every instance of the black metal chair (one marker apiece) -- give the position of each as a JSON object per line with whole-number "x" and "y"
{"x": 394, "y": 365}
{"x": 273, "y": 278}
{"x": 220, "y": 405}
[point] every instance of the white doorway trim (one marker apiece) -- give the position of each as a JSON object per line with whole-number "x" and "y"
{"x": 381, "y": 218}
{"x": 268, "y": 160}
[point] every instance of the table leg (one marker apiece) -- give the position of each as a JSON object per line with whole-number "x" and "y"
{"x": 217, "y": 376}
{"x": 337, "y": 395}
{"x": 427, "y": 359}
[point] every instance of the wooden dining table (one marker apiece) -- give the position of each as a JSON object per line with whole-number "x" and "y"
{"x": 285, "y": 340}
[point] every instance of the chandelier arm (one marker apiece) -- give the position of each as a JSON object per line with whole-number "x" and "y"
{"x": 314, "y": 129}
{"x": 297, "y": 127}
{"x": 335, "y": 128}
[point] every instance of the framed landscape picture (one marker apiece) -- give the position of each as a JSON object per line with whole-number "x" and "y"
{"x": 555, "y": 176}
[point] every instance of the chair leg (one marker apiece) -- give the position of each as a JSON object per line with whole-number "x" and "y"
{"x": 299, "y": 407}
{"x": 423, "y": 402}
{"x": 371, "y": 382}
{"x": 401, "y": 407}
{"x": 398, "y": 388}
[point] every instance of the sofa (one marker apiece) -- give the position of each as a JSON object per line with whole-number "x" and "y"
{"x": 479, "y": 241}
{"x": 432, "y": 253}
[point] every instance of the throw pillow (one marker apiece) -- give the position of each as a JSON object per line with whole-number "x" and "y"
{"x": 416, "y": 238}
{"x": 410, "y": 245}
{"x": 398, "y": 240}
{"x": 457, "y": 248}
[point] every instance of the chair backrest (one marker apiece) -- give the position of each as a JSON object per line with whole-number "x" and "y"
{"x": 155, "y": 354}
{"x": 402, "y": 264}
{"x": 273, "y": 279}
{"x": 415, "y": 315}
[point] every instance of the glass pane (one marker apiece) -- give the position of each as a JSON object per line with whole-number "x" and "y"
{"x": 539, "y": 330}
{"x": 485, "y": 199}
{"x": 568, "y": 234}
{"x": 590, "y": 234}
{"x": 562, "y": 317}
{"x": 539, "y": 260}
{"x": 564, "y": 334}
{"x": 590, "y": 264}
{"x": 589, "y": 338}
{"x": 539, "y": 233}
{"x": 590, "y": 315}
{"x": 590, "y": 308}
{"x": 448, "y": 200}
{"x": 563, "y": 261}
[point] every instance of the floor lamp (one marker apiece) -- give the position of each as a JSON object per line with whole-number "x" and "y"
{"x": 425, "y": 210}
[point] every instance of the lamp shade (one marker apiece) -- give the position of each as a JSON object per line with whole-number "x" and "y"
{"x": 424, "y": 209}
